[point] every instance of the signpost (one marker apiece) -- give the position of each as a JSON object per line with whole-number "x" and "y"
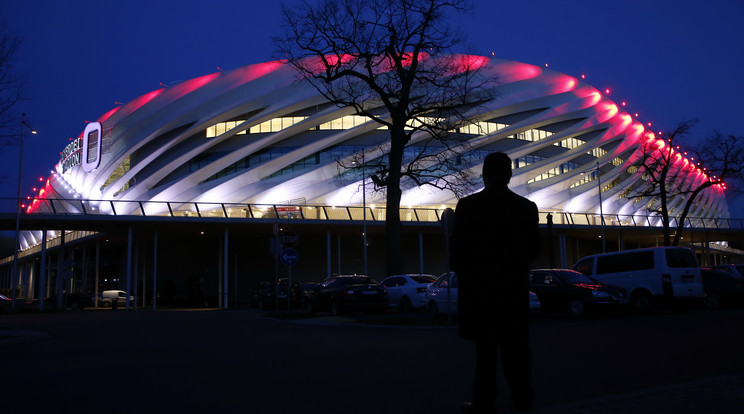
{"x": 289, "y": 258}
{"x": 289, "y": 239}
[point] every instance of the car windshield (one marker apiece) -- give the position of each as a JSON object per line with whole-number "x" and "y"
{"x": 352, "y": 280}
{"x": 578, "y": 278}
{"x": 423, "y": 279}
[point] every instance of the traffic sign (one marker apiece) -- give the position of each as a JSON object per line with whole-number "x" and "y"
{"x": 289, "y": 256}
{"x": 289, "y": 238}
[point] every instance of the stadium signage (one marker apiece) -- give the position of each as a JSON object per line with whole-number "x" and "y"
{"x": 71, "y": 155}
{"x": 85, "y": 150}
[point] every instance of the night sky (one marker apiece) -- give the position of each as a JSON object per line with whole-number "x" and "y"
{"x": 669, "y": 59}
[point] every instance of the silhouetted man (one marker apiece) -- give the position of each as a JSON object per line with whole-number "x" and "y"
{"x": 494, "y": 239}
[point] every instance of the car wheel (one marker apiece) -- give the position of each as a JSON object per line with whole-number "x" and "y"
{"x": 335, "y": 309}
{"x": 712, "y": 300}
{"x": 576, "y": 308}
{"x": 433, "y": 310}
{"x": 405, "y": 305}
{"x": 641, "y": 301}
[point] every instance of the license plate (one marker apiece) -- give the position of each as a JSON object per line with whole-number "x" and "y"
{"x": 688, "y": 279}
{"x": 369, "y": 292}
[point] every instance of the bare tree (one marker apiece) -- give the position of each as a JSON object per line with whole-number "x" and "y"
{"x": 672, "y": 181}
{"x": 11, "y": 84}
{"x": 391, "y": 61}
{"x": 722, "y": 157}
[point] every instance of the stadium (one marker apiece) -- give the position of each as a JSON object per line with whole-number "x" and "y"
{"x": 256, "y": 143}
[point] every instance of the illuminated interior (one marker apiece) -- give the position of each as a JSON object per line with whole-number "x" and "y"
{"x": 244, "y": 138}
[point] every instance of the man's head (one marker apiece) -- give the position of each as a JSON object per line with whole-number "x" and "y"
{"x": 497, "y": 169}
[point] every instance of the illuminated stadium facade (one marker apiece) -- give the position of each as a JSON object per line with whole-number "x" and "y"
{"x": 256, "y": 135}
{"x": 205, "y": 175}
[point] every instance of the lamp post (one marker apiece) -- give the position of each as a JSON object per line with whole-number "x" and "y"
{"x": 601, "y": 211}
{"x": 364, "y": 212}
{"x": 14, "y": 278}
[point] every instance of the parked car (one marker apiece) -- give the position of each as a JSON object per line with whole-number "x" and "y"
{"x": 108, "y": 297}
{"x": 346, "y": 293}
{"x": 268, "y": 295}
{"x": 655, "y": 274}
{"x": 441, "y": 296}
{"x": 5, "y": 303}
{"x": 407, "y": 292}
{"x": 722, "y": 288}
{"x": 303, "y": 292}
{"x": 535, "y": 304}
{"x": 573, "y": 293}
{"x": 736, "y": 269}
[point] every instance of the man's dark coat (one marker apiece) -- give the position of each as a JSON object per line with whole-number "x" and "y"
{"x": 494, "y": 239}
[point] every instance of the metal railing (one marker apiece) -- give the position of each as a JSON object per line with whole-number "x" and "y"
{"x": 67, "y": 207}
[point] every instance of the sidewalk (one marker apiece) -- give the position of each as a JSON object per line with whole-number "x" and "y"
{"x": 719, "y": 395}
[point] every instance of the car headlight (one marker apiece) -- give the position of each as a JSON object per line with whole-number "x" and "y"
{"x": 600, "y": 294}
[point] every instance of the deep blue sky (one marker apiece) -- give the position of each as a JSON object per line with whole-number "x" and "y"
{"x": 669, "y": 59}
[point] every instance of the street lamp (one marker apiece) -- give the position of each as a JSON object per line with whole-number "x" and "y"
{"x": 14, "y": 278}
{"x": 601, "y": 210}
{"x": 364, "y": 211}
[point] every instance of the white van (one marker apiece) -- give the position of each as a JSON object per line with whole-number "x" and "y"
{"x": 651, "y": 274}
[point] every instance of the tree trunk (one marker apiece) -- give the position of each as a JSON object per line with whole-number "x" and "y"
{"x": 686, "y": 211}
{"x": 393, "y": 224}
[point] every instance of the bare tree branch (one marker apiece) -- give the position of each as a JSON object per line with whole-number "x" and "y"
{"x": 391, "y": 61}
{"x": 676, "y": 184}
{"x": 11, "y": 83}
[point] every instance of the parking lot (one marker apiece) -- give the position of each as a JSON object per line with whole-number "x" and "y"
{"x": 252, "y": 361}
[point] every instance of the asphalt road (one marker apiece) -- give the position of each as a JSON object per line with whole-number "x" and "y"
{"x": 241, "y": 362}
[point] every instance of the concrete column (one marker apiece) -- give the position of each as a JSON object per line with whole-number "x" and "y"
{"x": 421, "y": 253}
{"x": 98, "y": 262}
{"x": 135, "y": 274}
{"x": 225, "y": 270}
{"x": 60, "y": 276}
{"x": 155, "y": 272}
{"x": 48, "y": 291}
{"x": 84, "y": 288}
{"x": 43, "y": 269}
{"x": 328, "y": 253}
{"x": 144, "y": 277}
{"x": 129, "y": 263}
{"x": 339, "y": 253}
{"x": 563, "y": 252}
{"x": 220, "y": 288}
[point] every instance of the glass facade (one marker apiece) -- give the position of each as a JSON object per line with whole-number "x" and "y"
{"x": 352, "y": 121}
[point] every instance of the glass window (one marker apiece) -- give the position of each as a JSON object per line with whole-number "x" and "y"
{"x": 537, "y": 278}
{"x": 585, "y": 266}
{"x": 625, "y": 262}
{"x": 576, "y": 278}
{"x": 423, "y": 279}
{"x": 680, "y": 258}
